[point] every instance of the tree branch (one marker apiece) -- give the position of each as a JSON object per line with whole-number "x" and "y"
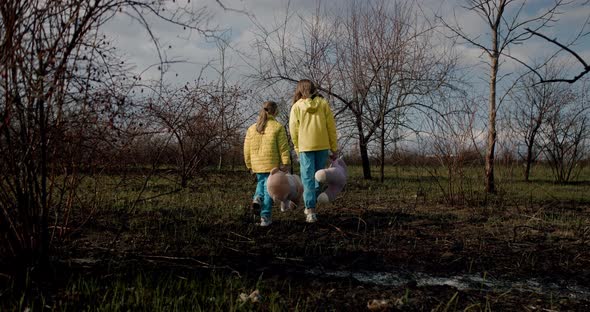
{"x": 586, "y": 67}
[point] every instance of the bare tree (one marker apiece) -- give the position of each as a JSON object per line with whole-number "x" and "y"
{"x": 452, "y": 139}
{"x": 507, "y": 23}
{"x": 50, "y": 50}
{"x": 373, "y": 60}
{"x": 532, "y": 105}
{"x": 403, "y": 67}
{"x": 200, "y": 118}
{"x": 567, "y": 134}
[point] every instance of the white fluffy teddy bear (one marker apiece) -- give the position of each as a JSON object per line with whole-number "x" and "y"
{"x": 284, "y": 188}
{"x": 335, "y": 177}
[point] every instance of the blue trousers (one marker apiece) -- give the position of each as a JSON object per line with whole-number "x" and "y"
{"x": 262, "y": 194}
{"x": 310, "y": 163}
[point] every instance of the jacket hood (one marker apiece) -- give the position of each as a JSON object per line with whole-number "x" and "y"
{"x": 311, "y": 105}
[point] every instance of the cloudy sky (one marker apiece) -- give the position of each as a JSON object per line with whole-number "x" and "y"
{"x": 192, "y": 50}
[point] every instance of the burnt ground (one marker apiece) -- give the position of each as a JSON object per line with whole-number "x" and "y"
{"x": 339, "y": 262}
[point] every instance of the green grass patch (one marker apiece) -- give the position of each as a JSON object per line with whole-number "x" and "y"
{"x": 171, "y": 290}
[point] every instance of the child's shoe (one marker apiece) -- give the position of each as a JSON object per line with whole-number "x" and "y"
{"x": 265, "y": 221}
{"x": 256, "y": 204}
{"x": 310, "y": 215}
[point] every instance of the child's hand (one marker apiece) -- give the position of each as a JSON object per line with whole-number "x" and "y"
{"x": 334, "y": 155}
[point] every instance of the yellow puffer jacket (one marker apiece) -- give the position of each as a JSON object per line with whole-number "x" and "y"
{"x": 312, "y": 126}
{"x": 263, "y": 152}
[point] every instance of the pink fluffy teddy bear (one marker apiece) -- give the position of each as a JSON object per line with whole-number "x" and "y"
{"x": 284, "y": 188}
{"x": 335, "y": 177}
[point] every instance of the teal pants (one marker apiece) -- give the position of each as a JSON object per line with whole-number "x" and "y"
{"x": 262, "y": 194}
{"x": 310, "y": 163}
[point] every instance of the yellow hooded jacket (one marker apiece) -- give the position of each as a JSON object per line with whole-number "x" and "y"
{"x": 268, "y": 150}
{"x": 312, "y": 126}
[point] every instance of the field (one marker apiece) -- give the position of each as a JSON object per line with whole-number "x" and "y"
{"x": 414, "y": 242}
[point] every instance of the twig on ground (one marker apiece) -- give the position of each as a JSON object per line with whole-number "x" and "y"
{"x": 176, "y": 258}
{"x": 338, "y": 229}
{"x": 359, "y": 224}
{"x": 172, "y": 260}
{"x": 290, "y": 259}
{"x": 526, "y": 227}
{"x": 233, "y": 249}
{"x": 239, "y": 235}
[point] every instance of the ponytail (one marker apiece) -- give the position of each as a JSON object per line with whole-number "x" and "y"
{"x": 268, "y": 108}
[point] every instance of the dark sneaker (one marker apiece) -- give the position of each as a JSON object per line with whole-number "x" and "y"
{"x": 256, "y": 205}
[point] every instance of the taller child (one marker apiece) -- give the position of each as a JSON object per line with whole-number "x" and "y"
{"x": 265, "y": 147}
{"x": 313, "y": 131}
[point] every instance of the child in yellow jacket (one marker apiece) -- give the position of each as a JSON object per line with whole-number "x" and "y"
{"x": 313, "y": 132}
{"x": 266, "y": 147}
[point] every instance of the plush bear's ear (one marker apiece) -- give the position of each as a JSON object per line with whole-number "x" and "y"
{"x": 274, "y": 170}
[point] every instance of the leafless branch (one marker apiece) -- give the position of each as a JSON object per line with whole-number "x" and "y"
{"x": 585, "y": 66}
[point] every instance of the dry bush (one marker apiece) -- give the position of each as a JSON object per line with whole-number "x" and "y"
{"x": 63, "y": 110}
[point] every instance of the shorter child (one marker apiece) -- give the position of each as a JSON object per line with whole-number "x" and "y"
{"x": 266, "y": 147}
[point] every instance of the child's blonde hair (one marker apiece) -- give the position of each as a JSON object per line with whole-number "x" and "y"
{"x": 305, "y": 89}
{"x": 268, "y": 107}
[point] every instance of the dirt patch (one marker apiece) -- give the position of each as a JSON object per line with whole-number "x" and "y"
{"x": 412, "y": 257}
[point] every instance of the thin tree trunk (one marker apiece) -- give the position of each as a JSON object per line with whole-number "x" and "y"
{"x": 44, "y": 230}
{"x": 365, "y": 160}
{"x": 527, "y": 170}
{"x": 364, "y": 151}
{"x": 489, "y": 159}
{"x": 382, "y": 143}
{"x": 43, "y": 225}
{"x": 528, "y": 162}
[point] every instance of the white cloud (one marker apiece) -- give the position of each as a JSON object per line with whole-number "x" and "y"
{"x": 181, "y": 45}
